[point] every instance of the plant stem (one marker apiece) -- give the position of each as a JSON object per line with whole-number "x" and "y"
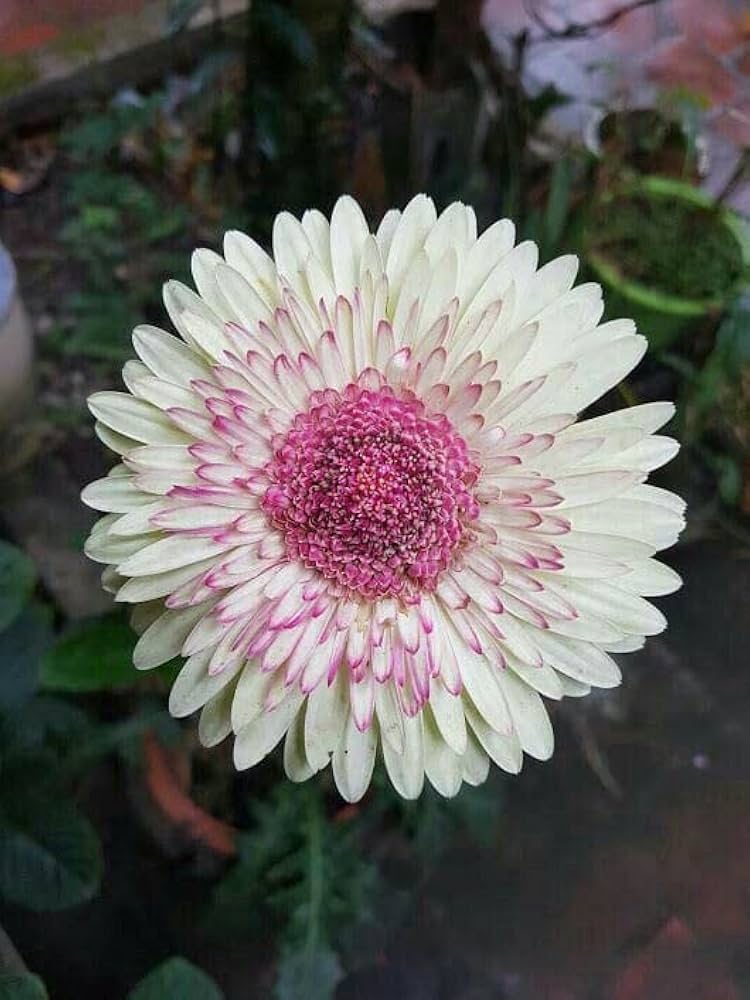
{"x": 315, "y": 861}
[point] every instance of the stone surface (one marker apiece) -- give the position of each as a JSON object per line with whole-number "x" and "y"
{"x": 45, "y": 43}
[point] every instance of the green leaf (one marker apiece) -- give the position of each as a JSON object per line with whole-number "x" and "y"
{"x": 310, "y": 875}
{"x": 237, "y": 903}
{"x": 46, "y": 719}
{"x": 22, "y": 987}
{"x": 92, "y": 656}
{"x": 307, "y": 975}
{"x": 21, "y": 647}
{"x": 284, "y": 28}
{"x": 558, "y": 204}
{"x": 124, "y": 737}
{"x": 176, "y": 979}
{"x": 100, "y": 324}
{"x": 49, "y": 853}
{"x": 17, "y": 578}
{"x": 96, "y": 136}
{"x": 729, "y": 479}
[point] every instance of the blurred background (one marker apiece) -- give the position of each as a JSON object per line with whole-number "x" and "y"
{"x": 132, "y": 863}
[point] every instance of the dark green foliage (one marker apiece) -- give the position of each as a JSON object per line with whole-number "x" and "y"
{"x": 45, "y": 721}
{"x": 547, "y": 226}
{"x": 21, "y": 646}
{"x": 714, "y": 413}
{"x": 111, "y": 206}
{"x": 17, "y": 578}
{"x": 49, "y": 854}
{"x": 286, "y": 855}
{"x": 306, "y": 872}
{"x": 286, "y": 29}
{"x": 432, "y": 821}
{"x": 312, "y": 975}
{"x": 21, "y": 987}
{"x": 97, "y": 136}
{"x": 176, "y": 979}
{"x": 99, "y": 322}
{"x": 289, "y": 117}
{"x": 91, "y": 656}
{"x": 113, "y": 217}
{"x": 646, "y": 238}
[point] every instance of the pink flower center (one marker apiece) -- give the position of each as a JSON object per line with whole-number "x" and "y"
{"x": 372, "y": 491}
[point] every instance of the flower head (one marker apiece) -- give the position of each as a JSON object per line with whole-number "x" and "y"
{"x": 355, "y": 496}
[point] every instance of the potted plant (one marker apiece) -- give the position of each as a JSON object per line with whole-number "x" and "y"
{"x": 667, "y": 253}
{"x": 647, "y": 141}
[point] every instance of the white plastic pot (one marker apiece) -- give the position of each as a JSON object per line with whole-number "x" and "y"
{"x": 16, "y": 345}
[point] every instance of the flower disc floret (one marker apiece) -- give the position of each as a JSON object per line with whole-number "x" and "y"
{"x": 372, "y": 491}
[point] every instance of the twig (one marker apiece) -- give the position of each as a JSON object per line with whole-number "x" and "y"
{"x": 574, "y": 29}
{"x": 593, "y": 756}
{"x": 737, "y": 175}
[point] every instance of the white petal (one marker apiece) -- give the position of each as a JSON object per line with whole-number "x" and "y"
{"x": 160, "y": 584}
{"x": 167, "y": 357}
{"x": 653, "y": 523}
{"x": 543, "y": 679}
{"x": 325, "y": 718}
{"x": 215, "y": 722}
{"x": 172, "y": 552}
{"x": 582, "y": 661}
{"x": 291, "y": 247}
{"x": 475, "y": 762}
{"x": 503, "y": 748}
{"x": 628, "y": 612}
{"x": 194, "y": 686}
{"x": 386, "y": 230}
{"x": 104, "y": 546}
{"x": 530, "y": 717}
{"x": 348, "y": 234}
{"x": 650, "y": 578}
{"x": 601, "y": 370}
{"x": 448, "y": 712}
{"x": 115, "y": 494}
{"x": 296, "y": 765}
{"x": 253, "y": 263}
{"x": 485, "y": 692}
{"x": 406, "y": 770}
{"x": 354, "y": 760}
{"x": 164, "y": 638}
{"x": 118, "y": 443}
{"x": 251, "y": 694}
{"x": 409, "y": 236}
{"x": 134, "y": 418}
{"x": 593, "y": 487}
{"x": 258, "y": 738}
{"x": 390, "y": 716}
{"x": 442, "y": 764}
{"x": 178, "y": 300}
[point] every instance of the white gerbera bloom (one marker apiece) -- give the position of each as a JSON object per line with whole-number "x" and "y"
{"x": 355, "y": 497}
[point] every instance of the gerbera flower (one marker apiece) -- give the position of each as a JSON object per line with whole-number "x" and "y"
{"x": 355, "y": 497}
